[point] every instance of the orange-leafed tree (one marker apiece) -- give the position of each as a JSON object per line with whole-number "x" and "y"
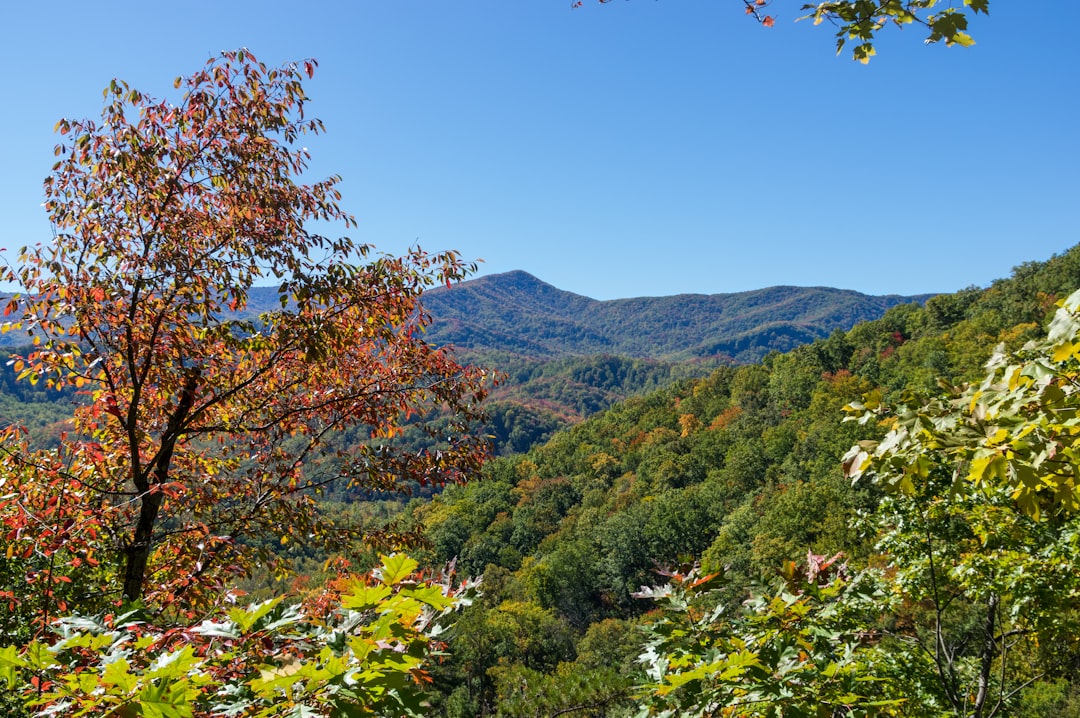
{"x": 210, "y": 423}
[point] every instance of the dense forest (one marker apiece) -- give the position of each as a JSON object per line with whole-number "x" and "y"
{"x": 740, "y": 470}
{"x": 537, "y": 338}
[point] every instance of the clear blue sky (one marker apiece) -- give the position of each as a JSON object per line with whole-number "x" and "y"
{"x": 646, "y": 147}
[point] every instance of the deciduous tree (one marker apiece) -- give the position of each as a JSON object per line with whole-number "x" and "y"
{"x": 797, "y": 651}
{"x": 209, "y": 422}
{"x": 982, "y": 528}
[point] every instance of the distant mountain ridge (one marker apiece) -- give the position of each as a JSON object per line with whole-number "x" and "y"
{"x": 516, "y": 312}
{"x": 566, "y": 356}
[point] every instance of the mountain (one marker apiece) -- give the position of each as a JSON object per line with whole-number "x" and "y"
{"x": 517, "y": 313}
{"x": 565, "y": 356}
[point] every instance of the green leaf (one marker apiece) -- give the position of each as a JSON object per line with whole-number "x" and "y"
{"x": 173, "y": 664}
{"x": 962, "y": 39}
{"x": 118, "y": 673}
{"x": 165, "y": 700}
{"x": 396, "y": 568}
{"x": 432, "y": 596}
{"x": 10, "y": 663}
{"x": 220, "y": 629}
{"x": 302, "y": 711}
{"x": 362, "y": 597}
{"x": 864, "y": 52}
{"x": 246, "y": 619}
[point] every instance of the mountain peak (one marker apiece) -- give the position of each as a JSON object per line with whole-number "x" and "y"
{"x": 516, "y": 280}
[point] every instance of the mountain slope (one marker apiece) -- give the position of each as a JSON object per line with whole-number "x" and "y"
{"x": 741, "y": 470}
{"x": 518, "y": 313}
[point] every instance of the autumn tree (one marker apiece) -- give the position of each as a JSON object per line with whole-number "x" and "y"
{"x": 209, "y": 423}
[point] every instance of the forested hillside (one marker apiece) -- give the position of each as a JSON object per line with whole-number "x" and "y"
{"x": 565, "y": 356}
{"x": 42, "y": 411}
{"x": 517, "y": 313}
{"x": 741, "y": 470}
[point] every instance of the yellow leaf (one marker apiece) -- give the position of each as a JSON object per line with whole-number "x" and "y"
{"x": 962, "y": 39}
{"x": 1064, "y": 351}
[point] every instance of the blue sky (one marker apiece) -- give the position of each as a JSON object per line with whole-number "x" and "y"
{"x": 642, "y": 147}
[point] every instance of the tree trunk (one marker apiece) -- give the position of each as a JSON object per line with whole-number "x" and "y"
{"x": 137, "y": 553}
{"x": 989, "y": 651}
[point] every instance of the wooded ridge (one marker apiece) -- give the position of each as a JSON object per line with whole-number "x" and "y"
{"x": 516, "y": 312}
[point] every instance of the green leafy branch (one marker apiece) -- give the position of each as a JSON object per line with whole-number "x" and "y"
{"x": 796, "y": 649}
{"x": 1019, "y": 428}
{"x": 859, "y": 21}
{"x": 360, "y": 652}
